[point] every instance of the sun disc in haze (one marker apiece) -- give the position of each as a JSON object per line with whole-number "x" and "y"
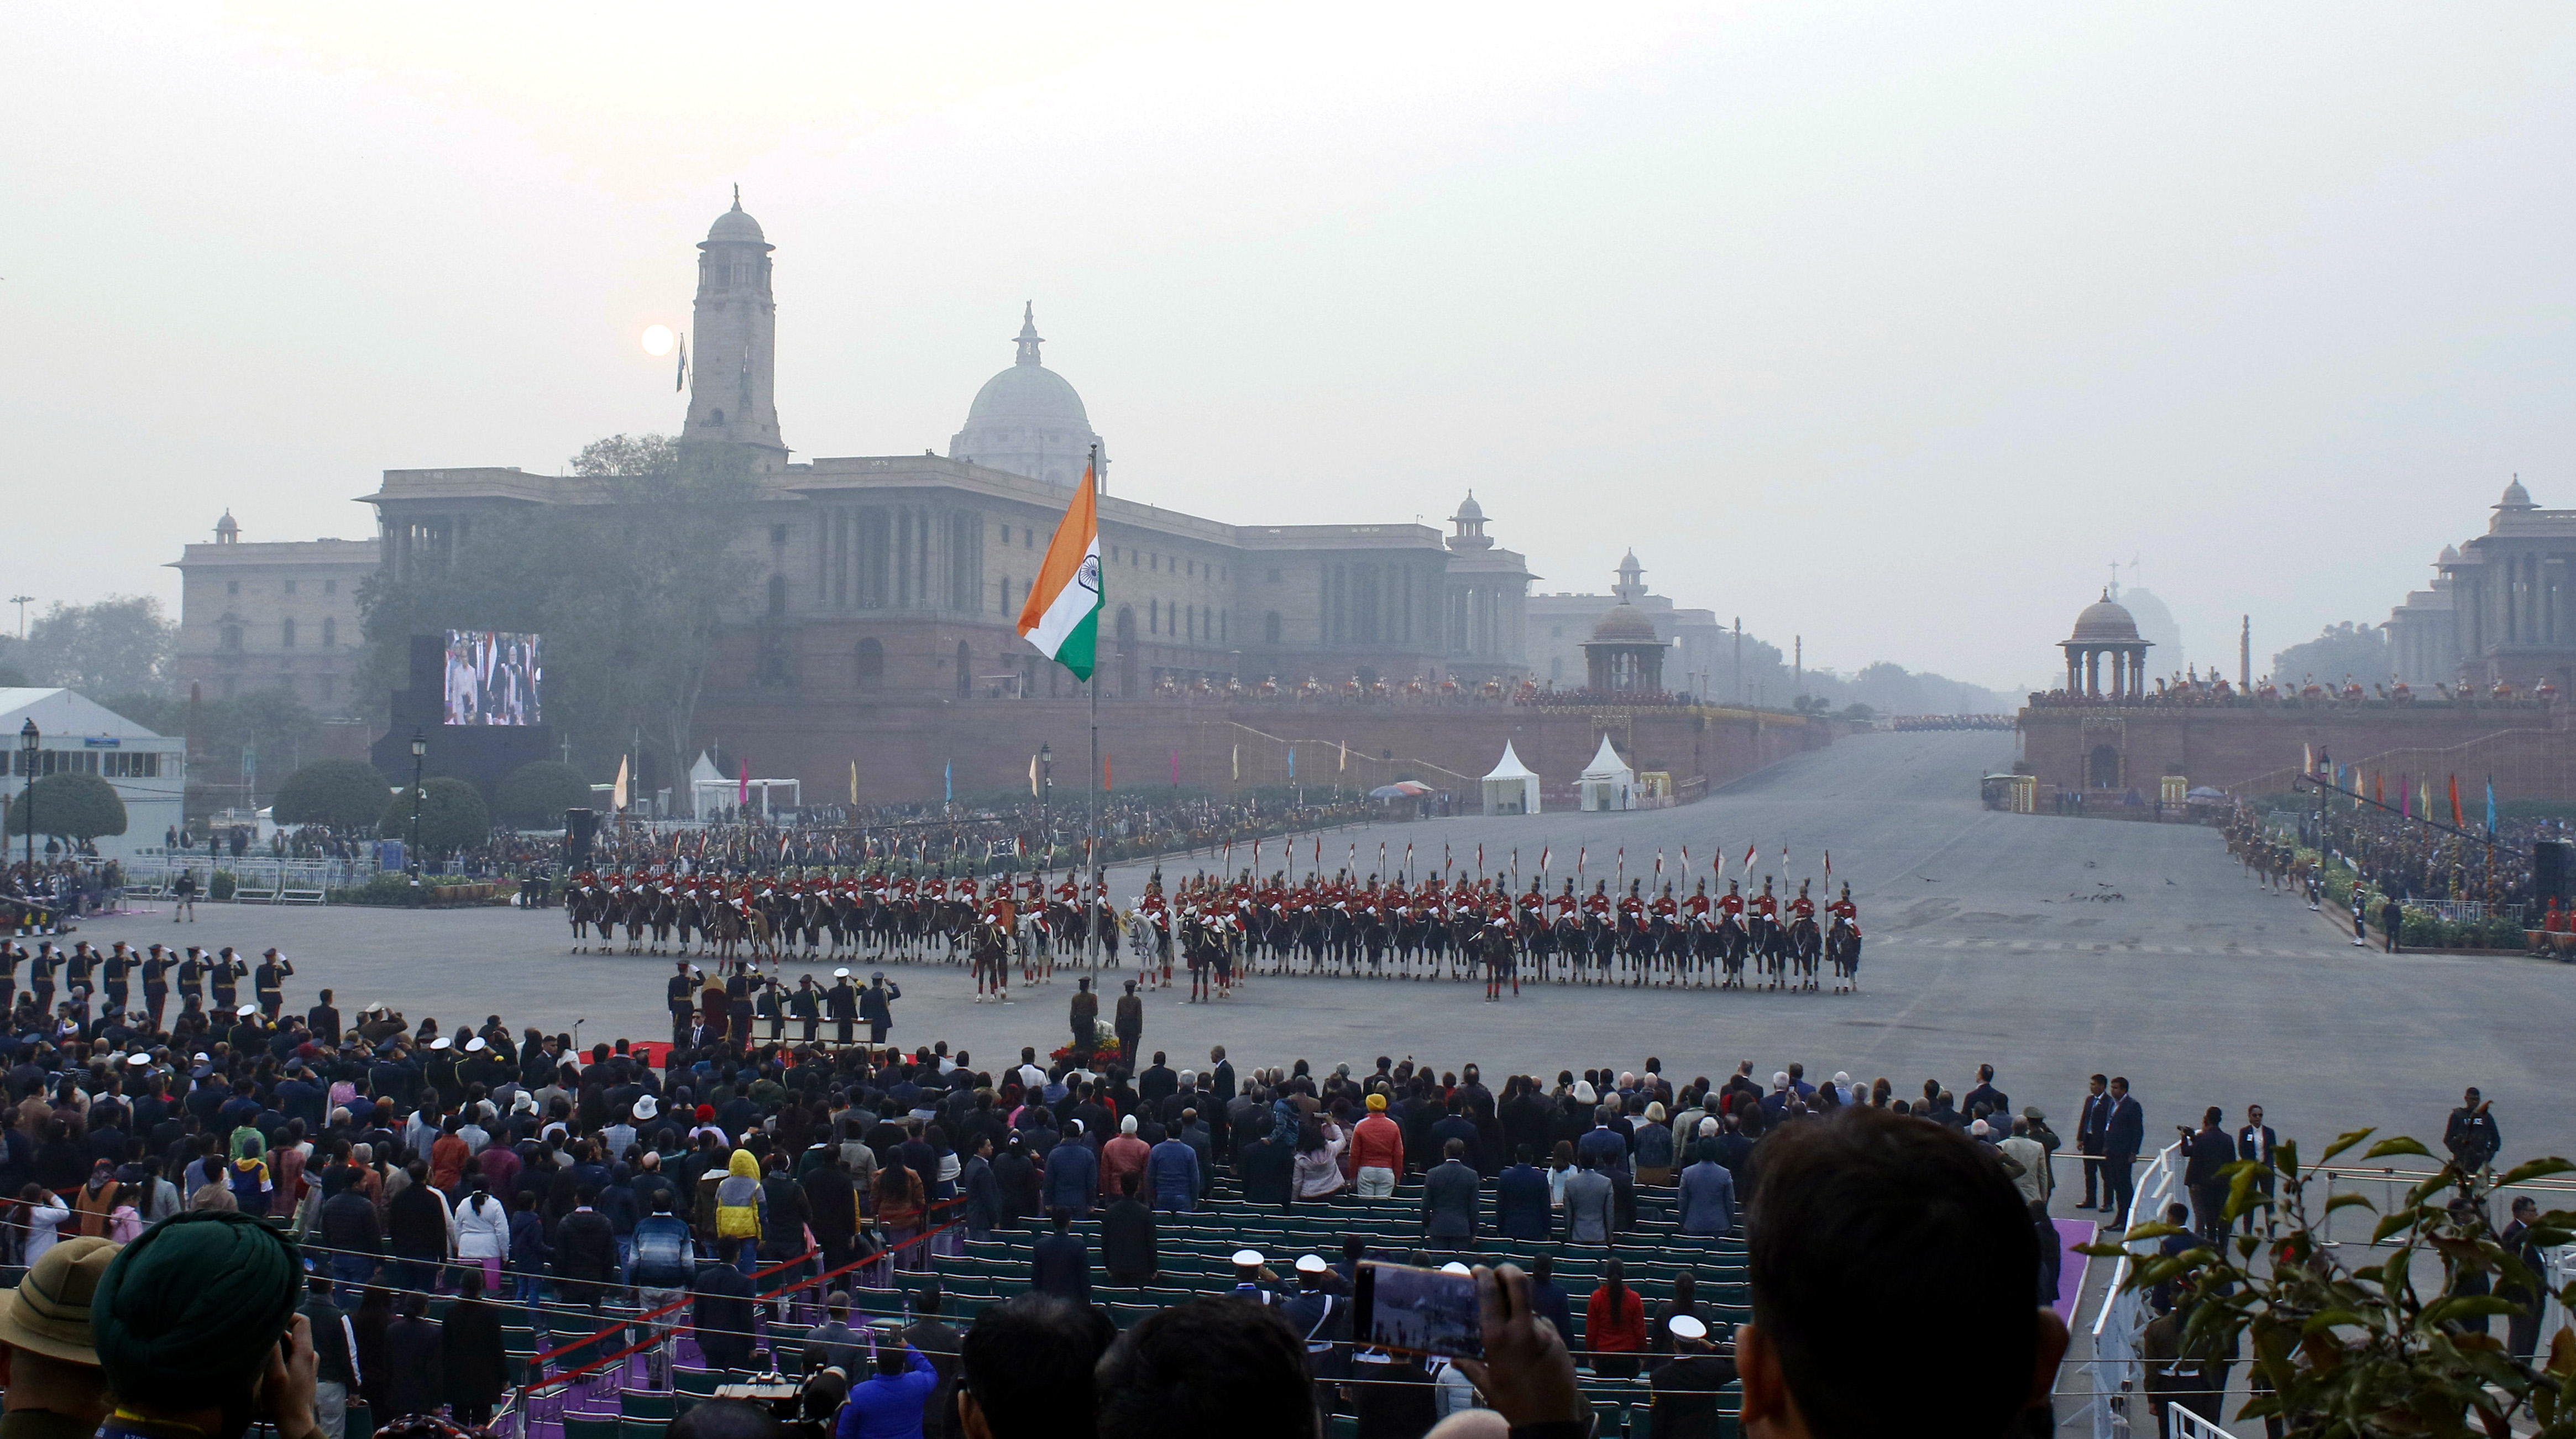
{"x": 657, "y": 339}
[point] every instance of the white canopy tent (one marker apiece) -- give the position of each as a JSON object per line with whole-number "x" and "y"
{"x": 1512, "y": 788}
{"x": 711, "y": 791}
{"x": 1608, "y": 782}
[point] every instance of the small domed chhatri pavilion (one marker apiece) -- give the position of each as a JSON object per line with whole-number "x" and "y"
{"x": 2105, "y": 657}
{"x": 1624, "y": 654}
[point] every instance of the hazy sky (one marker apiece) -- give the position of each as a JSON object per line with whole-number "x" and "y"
{"x": 1891, "y": 326}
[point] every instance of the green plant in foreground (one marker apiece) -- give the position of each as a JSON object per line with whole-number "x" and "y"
{"x": 2344, "y": 1352}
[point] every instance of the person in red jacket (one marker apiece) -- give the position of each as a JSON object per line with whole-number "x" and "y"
{"x": 1377, "y": 1151}
{"x": 1614, "y": 1324}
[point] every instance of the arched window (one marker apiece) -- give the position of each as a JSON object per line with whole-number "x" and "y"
{"x": 330, "y": 634}
{"x": 233, "y": 636}
{"x": 778, "y": 594}
{"x": 1270, "y": 628}
{"x": 965, "y": 672}
{"x": 286, "y": 633}
{"x": 870, "y": 664}
{"x": 715, "y": 417}
{"x": 2105, "y": 767}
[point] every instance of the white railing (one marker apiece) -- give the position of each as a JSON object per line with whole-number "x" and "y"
{"x": 255, "y": 877}
{"x": 2187, "y": 1425}
{"x": 2117, "y": 1374}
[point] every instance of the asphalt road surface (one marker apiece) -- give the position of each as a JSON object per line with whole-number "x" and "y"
{"x": 2049, "y": 947}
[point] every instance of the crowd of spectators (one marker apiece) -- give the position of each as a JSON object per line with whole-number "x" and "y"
{"x": 515, "y": 1176}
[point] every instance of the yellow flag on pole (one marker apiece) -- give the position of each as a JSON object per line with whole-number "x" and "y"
{"x": 617, "y": 796}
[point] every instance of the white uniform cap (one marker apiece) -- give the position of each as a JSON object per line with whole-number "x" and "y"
{"x": 1686, "y": 1327}
{"x": 138, "y": 1059}
{"x": 1454, "y": 1267}
{"x": 247, "y": 1010}
{"x": 442, "y": 1042}
{"x": 476, "y": 1045}
{"x": 1311, "y": 1264}
{"x": 840, "y": 974}
{"x": 1247, "y": 1258}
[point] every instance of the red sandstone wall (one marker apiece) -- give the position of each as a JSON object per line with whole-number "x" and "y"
{"x": 2526, "y": 747}
{"x": 901, "y": 745}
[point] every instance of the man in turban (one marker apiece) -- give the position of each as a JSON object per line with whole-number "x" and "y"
{"x": 198, "y": 1334}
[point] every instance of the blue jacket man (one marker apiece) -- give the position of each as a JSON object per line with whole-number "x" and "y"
{"x": 1172, "y": 1171}
{"x": 1072, "y": 1175}
{"x": 1449, "y": 1195}
{"x": 888, "y": 1406}
{"x": 1521, "y": 1204}
{"x": 1708, "y": 1195}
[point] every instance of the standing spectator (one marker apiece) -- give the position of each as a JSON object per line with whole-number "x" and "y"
{"x": 585, "y": 1253}
{"x": 1127, "y": 1245}
{"x": 833, "y": 1344}
{"x": 720, "y": 1316}
{"x": 482, "y": 1232}
{"x": 1377, "y": 1147}
{"x": 2472, "y": 1135}
{"x": 1122, "y": 1158}
{"x": 476, "y": 1367}
{"x": 1450, "y": 1193}
{"x": 1024, "y": 1371}
{"x": 335, "y": 1348}
{"x": 888, "y": 1403}
{"x": 2522, "y": 1327}
{"x": 1083, "y": 1016}
{"x": 1521, "y": 1208}
{"x": 417, "y": 1222}
{"x": 1319, "y": 1151}
{"x": 2124, "y": 1132}
{"x": 2254, "y": 1145}
{"x": 2033, "y": 1181}
{"x": 1589, "y": 1206}
{"x": 1130, "y": 1026}
{"x": 2207, "y": 1153}
{"x": 374, "y": 1319}
{"x": 1173, "y": 1170}
{"x": 1683, "y": 1304}
{"x": 1614, "y": 1324}
{"x": 414, "y": 1352}
{"x": 1707, "y": 1195}
{"x": 1072, "y": 1174}
{"x": 2392, "y": 923}
{"x": 2090, "y": 1127}
{"x": 1267, "y": 1167}
{"x": 1060, "y": 1263}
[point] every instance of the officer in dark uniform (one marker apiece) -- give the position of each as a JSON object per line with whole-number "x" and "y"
{"x": 223, "y": 979}
{"x": 683, "y": 992}
{"x": 842, "y": 1003}
{"x": 192, "y": 979}
{"x": 766, "y": 1005}
{"x": 117, "y": 986}
{"x": 156, "y": 983}
{"x": 76, "y": 969}
{"x": 807, "y": 1005}
{"x": 40, "y": 976}
{"x": 9, "y": 958}
{"x": 738, "y": 1003}
{"x": 270, "y": 981}
{"x": 876, "y": 1006}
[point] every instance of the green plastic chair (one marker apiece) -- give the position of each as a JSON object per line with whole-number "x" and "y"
{"x": 577, "y": 1427}
{"x": 701, "y": 1382}
{"x": 639, "y": 1428}
{"x": 646, "y": 1404}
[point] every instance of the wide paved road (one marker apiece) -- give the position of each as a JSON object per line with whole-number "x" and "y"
{"x": 2049, "y": 947}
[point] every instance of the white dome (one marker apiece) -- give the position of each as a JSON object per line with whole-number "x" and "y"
{"x": 1028, "y": 419}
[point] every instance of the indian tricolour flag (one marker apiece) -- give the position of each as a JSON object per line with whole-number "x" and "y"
{"x": 1062, "y": 616}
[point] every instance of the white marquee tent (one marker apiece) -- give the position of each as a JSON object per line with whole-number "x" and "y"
{"x": 1512, "y": 788}
{"x": 1608, "y": 782}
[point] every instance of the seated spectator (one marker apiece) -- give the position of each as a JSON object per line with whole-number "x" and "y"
{"x": 1025, "y": 1370}
{"x": 1210, "y": 1366}
{"x": 197, "y": 1332}
{"x": 888, "y": 1403}
{"x": 48, "y": 1358}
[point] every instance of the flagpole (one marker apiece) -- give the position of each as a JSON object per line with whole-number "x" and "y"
{"x": 1092, "y": 834}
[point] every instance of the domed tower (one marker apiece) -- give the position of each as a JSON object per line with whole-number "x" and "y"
{"x": 227, "y": 531}
{"x": 2106, "y": 658}
{"x": 1468, "y": 526}
{"x": 733, "y": 391}
{"x": 1632, "y": 580}
{"x": 1624, "y": 654}
{"x": 1028, "y": 420}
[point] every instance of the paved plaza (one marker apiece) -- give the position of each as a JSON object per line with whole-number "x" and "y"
{"x": 2049, "y": 947}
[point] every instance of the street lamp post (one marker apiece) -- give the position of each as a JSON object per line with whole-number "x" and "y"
{"x": 419, "y": 752}
{"x": 28, "y": 744}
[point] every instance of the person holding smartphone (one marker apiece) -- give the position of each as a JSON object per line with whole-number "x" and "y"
{"x": 198, "y": 1333}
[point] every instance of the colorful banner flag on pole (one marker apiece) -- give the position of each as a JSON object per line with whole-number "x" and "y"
{"x": 1062, "y": 615}
{"x": 2456, "y": 821}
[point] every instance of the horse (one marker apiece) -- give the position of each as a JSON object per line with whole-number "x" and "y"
{"x": 1804, "y": 944}
{"x": 990, "y": 957}
{"x": 1842, "y": 946}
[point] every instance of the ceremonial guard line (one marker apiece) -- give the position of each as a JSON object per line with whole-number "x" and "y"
{"x": 1223, "y": 927}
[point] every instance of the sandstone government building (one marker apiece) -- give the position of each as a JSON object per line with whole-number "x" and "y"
{"x": 877, "y": 624}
